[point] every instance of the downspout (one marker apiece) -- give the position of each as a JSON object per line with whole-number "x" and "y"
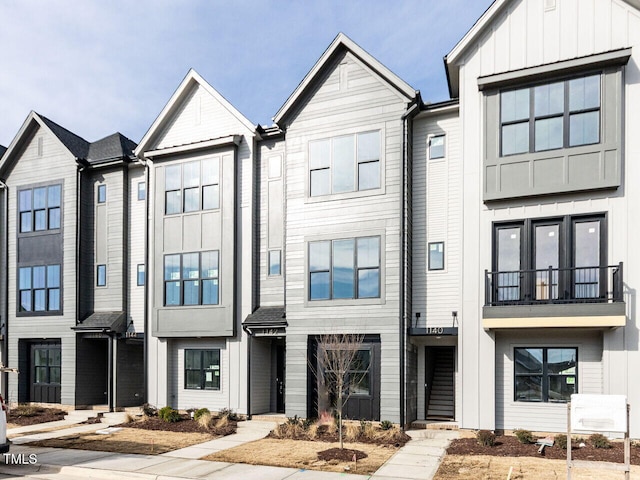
{"x": 403, "y": 245}
{"x": 5, "y": 338}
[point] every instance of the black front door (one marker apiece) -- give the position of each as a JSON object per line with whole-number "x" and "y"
{"x": 280, "y": 376}
{"x": 45, "y": 373}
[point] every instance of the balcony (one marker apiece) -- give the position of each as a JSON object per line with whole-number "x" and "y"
{"x": 555, "y": 297}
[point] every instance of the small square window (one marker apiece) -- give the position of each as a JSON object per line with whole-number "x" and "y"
{"x": 436, "y": 256}
{"x": 101, "y": 275}
{"x": 142, "y": 191}
{"x": 102, "y": 193}
{"x": 436, "y": 147}
{"x": 141, "y": 274}
{"x": 274, "y": 263}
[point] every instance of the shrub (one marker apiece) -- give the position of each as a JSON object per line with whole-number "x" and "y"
{"x": 351, "y": 432}
{"x": 312, "y": 431}
{"x": 561, "y": 441}
{"x": 486, "y": 438}
{"x": 200, "y": 412}
{"x": 149, "y": 410}
{"x": 599, "y": 441}
{"x": 227, "y": 412}
{"x": 204, "y": 420}
{"x": 369, "y": 432}
{"x": 386, "y": 425}
{"x": 524, "y": 436}
{"x": 168, "y": 414}
{"x": 293, "y": 420}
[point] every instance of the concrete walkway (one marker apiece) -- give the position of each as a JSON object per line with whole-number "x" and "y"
{"x": 417, "y": 460}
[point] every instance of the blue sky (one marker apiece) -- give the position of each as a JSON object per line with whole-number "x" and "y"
{"x": 96, "y": 67}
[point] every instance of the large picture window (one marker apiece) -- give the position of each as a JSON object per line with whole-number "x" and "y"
{"x": 191, "y": 279}
{"x": 343, "y": 269}
{"x": 202, "y": 369}
{"x": 550, "y": 116}
{"x": 192, "y": 186}
{"x": 39, "y": 208}
{"x": 344, "y": 164}
{"x": 39, "y": 288}
{"x": 545, "y": 374}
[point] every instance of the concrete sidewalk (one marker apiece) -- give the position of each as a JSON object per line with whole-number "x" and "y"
{"x": 417, "y": 460}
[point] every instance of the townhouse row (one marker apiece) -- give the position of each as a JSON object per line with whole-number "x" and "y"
{"x": 482, "y": 246}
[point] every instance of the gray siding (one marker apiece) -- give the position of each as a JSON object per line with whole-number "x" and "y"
{"x": 130, "y": 373}
{"x": 261, "y": 375}
{"x": 136, "y": 244}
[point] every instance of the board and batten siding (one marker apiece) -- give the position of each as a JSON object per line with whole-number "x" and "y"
{"x": 437, "y": 217}
{"x": 543, "y": 416}
{"x": 136, "y": 244}
{"x": 350, "y": 98}
{"x": 55, "y": 164}
{"x": 261, "y": 375}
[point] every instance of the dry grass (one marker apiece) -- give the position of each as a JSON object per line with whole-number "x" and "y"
{"x": 303, "y": 454}
{"x": 127, "y": 440}
{"x": 128, "y": 418}
{"x": 484, "y": 467}
{"x": 205, "y": 420}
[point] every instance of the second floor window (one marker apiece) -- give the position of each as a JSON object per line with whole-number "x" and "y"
{"x": 191, "y": 279}
{"x": 102, "y": 193}
{"x": 192, "y": 186}
{"x": 343, "y": 269}
{"x": 550, "y": 116}
{"x": 39, "y": 288}
{"x": 39, "y": 208}
{"x": 344, "y": 164}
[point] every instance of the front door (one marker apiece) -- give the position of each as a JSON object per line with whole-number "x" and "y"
{"x": 280, "y": 376}
{"x": 45, "y": 373}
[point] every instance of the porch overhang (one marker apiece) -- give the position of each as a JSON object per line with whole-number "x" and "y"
{"x": 266, "y": 322}
{"x": 103, "y": 322}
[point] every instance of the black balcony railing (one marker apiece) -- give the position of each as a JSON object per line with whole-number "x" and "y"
{"x": 554, "y": 285}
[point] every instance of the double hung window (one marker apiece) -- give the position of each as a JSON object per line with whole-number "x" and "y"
{"x": 545, "y": 374}
{"x": 342, "y": 164}
{"x": 202, "y": 369}
{"x": 550, "y": 116}
{"x": 191, "y": 279}
{"x": 39, "y": 288}
{"x": 39, "y": 208}
{"x": 344, "y": 269}
{"x": 192, "y": 186}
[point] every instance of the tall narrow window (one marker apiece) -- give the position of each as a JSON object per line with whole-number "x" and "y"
{"x": 140, "y": 278}
{"x": 101, "y": 275}
{"x": 436, "y": 256}
{"x": 102, "y": 193}
{"x": 274, "y": 262}
{"x": 436, "y": 147}
{"x": 142, "y": 190}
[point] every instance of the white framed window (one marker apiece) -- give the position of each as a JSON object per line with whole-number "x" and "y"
{"x": 142, "y": 190}
{"x": 275, "y": 267}
{"x": 436, "y": 147}
{"x": 436, "y": 256}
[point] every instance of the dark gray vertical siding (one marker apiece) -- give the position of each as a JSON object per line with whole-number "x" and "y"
{"x": 130, "y": 373}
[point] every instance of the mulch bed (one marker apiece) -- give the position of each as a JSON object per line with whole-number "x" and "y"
{"x": 185, "y": 425}
{"x": 508, "y": 446}
{"x": 35, "y": 415}
{"x": 325, "y": 435}
{"x": 341, "y": 454}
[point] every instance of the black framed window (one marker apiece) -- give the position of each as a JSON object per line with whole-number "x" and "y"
{"x": 102, "y": 193}
{"x": 39, "y": 208}
{"x": 436, "y": 256}
{"x": 545, "y": 374}
{"x": 560, "y": 114}
{"x": 202, "y": 369}
{"x": 192, "y": 186}
{"x": 274, "y": 262}
{"x": 101, "y": 275}
{"x": 344, "y": 269}
{"x": 142, "y": 190}
{"x": 191, "y": 279}
{"x": 346, "y": 163}
{"x": 39, "y": 288}
{"x": 47, "y": 365}
{"x": 436, "y": 147}
{"x": 140, "y": 275}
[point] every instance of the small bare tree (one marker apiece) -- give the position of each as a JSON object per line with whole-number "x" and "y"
{"x": 341, "y": 368}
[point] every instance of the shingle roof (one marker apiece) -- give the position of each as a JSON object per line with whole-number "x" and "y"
{"x": 78, "y": 146}
{"x": 103, "y": 321}
{"x": 267, "y": 317}
{"x": 113, "y": 146}
{"x": 2, "y": 150}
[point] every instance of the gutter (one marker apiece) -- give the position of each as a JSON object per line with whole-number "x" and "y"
{"x": 411, "y": 112}
{"x": 5, "y": 338}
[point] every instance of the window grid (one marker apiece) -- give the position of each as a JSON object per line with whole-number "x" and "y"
{"x": 39, "y": 208}
{"x": 46, "y": 365}
{"x": 39, "y": 288}
{"x": 192, "y": 186}
{"x": 538, "y": 378}
{"x": 202, "y": 369}
{"x": 330, "y": 278}
{"x": 192, "y": 279}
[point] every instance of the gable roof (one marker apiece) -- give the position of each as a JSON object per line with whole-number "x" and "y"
{"x": 115, "y": 146}
{"x": 75, "y": 144}
{"x": 192, "y": 78}
{"x": 478, "y": 28}
{"x": 339, "y": 44}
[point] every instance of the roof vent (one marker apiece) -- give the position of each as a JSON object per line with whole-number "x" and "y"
{"x": 549, "y": 5}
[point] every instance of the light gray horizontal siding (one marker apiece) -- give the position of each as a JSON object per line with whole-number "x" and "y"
{"x": 136, "y": 248}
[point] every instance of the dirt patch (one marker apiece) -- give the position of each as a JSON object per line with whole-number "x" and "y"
{"x": 507, "y": 446}
{"x": 329, "y": 434}
{"x": 23, "y": 415}
{"x": 341, "y": 454}
{"x": 128, "y": 440}
{"x": 486, "y": 467}
{"x": 185, "y": 425}
{"x": 304, "y": 454}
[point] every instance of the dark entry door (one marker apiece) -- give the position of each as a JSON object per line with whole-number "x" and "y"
{"x": 440, "y": 383}
{"x": 45, "y": 373}
{"x": 280, "y": 376}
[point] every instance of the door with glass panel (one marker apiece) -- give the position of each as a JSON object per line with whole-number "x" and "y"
{"x": 546, "y": 256}
{"x": 587, "y": 259}
{"x": 507, "y": 282}
{"x": 45, "y": 373}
